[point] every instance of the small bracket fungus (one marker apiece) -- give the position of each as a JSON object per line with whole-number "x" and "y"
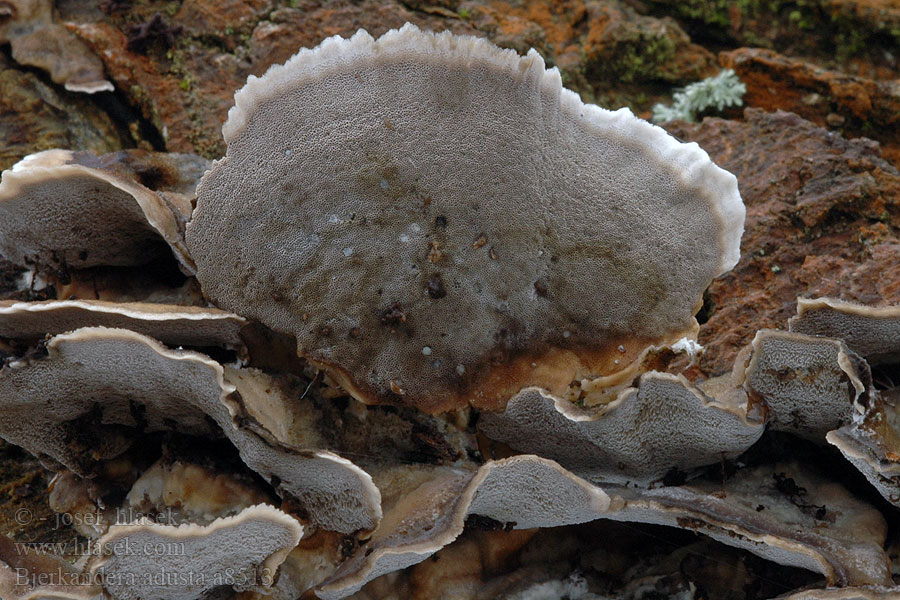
{"x": 172, "y": 324}
{"x": 439, "y": 221}
{"x": 242, "y": 552}
{"x": 639, "y": 437}
{"x": 96, "y": 385}
{"x": 67, "y": 59}
{"x": 35, "y": 575}
{"x": 91, "y": 381}
{"x": 872, "y": 444}
{"x": 526, "y": 491}
{"x": 809, "y": 384}
{"x": 805, "y": 521}
{"x": 335, "y": 493}
{"x": 61, "y": 209}
{"x": 872, "y": 332}
{"x": 172, "y": 175}
{"x": 18, "y": 16}
{"x": 27, "y": 25}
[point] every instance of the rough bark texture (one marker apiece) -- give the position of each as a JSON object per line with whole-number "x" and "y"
{"x": 823, "y": 214}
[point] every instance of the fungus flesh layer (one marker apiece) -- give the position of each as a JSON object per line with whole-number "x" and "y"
{"x": 172, "y": 324}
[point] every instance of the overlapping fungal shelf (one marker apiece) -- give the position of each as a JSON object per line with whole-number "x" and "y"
{"x": 662, "y": 424}
{"x": 36, "y": 40}
{"x": 428, "y": 301}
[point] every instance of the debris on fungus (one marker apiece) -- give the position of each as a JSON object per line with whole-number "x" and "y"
{"x": 190, "y": 493}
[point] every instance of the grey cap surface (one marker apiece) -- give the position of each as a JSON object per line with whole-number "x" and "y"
{"x": 438, "y": 221}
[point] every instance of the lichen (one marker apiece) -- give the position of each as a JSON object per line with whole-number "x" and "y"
{"x": 719, "y": 92}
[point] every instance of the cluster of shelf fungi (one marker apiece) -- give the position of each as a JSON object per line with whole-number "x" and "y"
{"x": 426, "y": 287}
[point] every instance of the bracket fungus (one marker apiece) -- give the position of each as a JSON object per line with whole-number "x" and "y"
{"x": 184, "y": 562}
{"x": 486, "y": 288}
{"x": 869, "y": 592}
{"x": 92, "y": 379}
{"x": 772, "y": 512}
{"x": 35, "y": 40}
{"x": 871, "y": 443}
{"x": 872, "y": 332}
{"x": 38, "y": 575}
{"x": 97, "y": 387}
{"x": 67, "y": 59}
{"x": 526, "y": 491}
{"x": 17, "y": 16}
{"x": 662, "y": 424}
{"x": 109, "y": 219}
{"x": 809, "y": 384}
{"x": 754, "y": 511}
{"x": 449, "y": 224}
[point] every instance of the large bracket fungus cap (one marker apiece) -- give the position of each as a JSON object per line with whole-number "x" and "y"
{"x": 439, "y": 221}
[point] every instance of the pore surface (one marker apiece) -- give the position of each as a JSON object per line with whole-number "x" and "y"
{"x": 437, "y": 220}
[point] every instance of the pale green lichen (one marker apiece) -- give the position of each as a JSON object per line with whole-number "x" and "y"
{"x": 719, "y": 92}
